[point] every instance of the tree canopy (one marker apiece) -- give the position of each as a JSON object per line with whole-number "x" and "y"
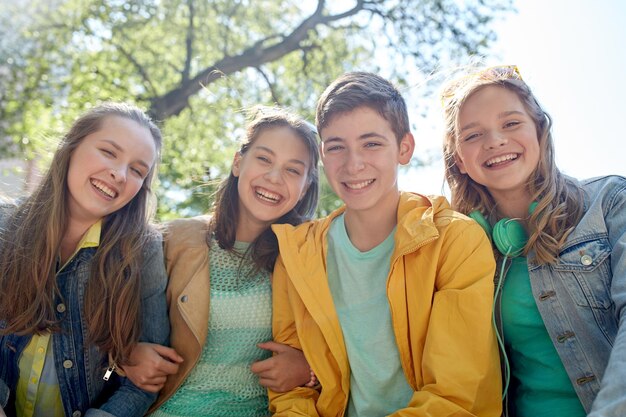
{"x": 197, "y": 65}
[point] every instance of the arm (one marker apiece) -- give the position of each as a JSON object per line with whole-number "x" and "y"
{"x": 460, "y": 365}
{"x": 299, "y": 401}
{"x": 284, "y": 371}
{"x": 128, "y": 399}
{"x": 611, "y": 399}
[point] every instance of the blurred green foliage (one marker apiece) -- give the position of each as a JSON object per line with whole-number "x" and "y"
{"x": 196, "y": 66}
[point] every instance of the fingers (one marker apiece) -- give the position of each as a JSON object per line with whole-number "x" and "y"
{"x": 274, "y": 347}
{"x": 154, "y": 388}
{"x": 166, "y": 367}
{"x": 262, "y": 366}
{"x": 149, "y": 383}
{"x": 168, "y": 353}
{"x": 268, "y": 383}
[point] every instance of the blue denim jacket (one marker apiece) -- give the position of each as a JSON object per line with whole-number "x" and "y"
{"x": 80, "y": 367}
{"x": 582, "y": 299}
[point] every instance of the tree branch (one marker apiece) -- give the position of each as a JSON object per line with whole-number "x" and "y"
{"x": 138, "y": 66}
{"x": 270, "y": 85}
{"x": 189, "y": 43}
{"x": 175, "y": 101}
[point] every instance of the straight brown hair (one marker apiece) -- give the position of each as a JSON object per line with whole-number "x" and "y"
{"x": 31, "y": 237}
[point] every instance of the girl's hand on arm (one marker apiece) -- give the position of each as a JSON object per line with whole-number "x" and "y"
{"x": 284, "y": 371}
{"x": 152, "y": 364}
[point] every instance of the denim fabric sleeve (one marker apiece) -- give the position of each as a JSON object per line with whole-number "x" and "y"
{"x": 611, "y": 400}
{"x": 4, "y": 394}
{"x": 128, "y": 400}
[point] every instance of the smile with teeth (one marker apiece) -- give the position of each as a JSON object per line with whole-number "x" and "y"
{"x": 501, "y": 159}
{"x": 268, "y": 196}
{"x": 103, "y": 188}
{"x": 358, "y": 185}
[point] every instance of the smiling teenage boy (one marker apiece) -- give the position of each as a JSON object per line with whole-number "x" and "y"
{"x": 390, "y": 296}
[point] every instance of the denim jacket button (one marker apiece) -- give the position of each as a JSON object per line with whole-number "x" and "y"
{"x": 76, "y": 414}
{"x": 585, "y": 379}
{"x": 67, "y": 364}
{"x": 184, "y": 299}
{"x": 61, "y": 308}
{"x": 586, "y": 260}
{"x": 563, "y": 337}
{"x": 544, "y": 296}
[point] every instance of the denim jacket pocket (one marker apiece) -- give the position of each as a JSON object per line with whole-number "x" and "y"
{"x": 585, "y": 268}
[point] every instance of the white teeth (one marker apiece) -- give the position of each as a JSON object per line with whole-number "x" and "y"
{"x": 103, "y": 188}
{"x": 268, "y": 196}
{"x": 358, "y": 185}
{"x": 501, "y": 158}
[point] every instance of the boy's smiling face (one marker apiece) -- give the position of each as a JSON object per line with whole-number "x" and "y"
{"x": 361, "y": 155}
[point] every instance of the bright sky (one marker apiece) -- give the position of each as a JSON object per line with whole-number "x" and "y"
{"x": 571, "y": 54}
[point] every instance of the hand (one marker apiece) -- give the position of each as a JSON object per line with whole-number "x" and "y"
{"x": 284, "y": 371}
{"x": 150, "y": 365}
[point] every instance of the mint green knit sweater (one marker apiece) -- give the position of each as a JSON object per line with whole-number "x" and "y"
{"x": 221, "y": 384}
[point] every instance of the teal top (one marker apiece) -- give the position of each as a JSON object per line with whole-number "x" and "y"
{"x": 221, "y": 384}
{"x": 358, "y": 284}
{"x": 541, "y": 387}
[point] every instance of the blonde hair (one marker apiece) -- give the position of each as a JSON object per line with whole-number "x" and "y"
{"x": 559, "y": 202}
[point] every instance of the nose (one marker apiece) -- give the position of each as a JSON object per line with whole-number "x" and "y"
{"x": 495, "y": 140}
{"x": 274, "y": 176}
{"x": 118, "y": 174}
{"x": 355, "y": 162}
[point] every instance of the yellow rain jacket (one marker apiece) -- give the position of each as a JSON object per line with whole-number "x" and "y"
{"x": 440, "y": 292}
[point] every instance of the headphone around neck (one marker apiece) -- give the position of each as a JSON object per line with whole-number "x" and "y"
{"x": 508, "y": 235}
{"x": 510, "y": 238}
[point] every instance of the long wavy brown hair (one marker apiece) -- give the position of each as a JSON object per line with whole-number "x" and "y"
{"x": 264, "y": 249}
{"x": 30, "y": 240}
{"x": 559, "y": 199}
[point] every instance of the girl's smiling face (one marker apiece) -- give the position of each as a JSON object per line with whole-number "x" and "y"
{"x": 272, "y": 178}
{"x": 108, "y": 168}
{"x": 497, "y": 142}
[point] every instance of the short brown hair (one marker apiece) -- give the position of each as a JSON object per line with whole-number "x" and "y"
{"x": 363, "y": 89}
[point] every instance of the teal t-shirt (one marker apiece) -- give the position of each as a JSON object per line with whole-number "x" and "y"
{"x": 541, "y": 384}
{"x": 358, "y": 284}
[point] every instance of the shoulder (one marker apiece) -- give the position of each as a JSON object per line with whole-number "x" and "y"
{"x": 309, "y": 231}
{"x": 607, "y": 183}
{"x": 432, "y": 210}
{"x": 607, "y": 192}
{"x": 190, "y": 232}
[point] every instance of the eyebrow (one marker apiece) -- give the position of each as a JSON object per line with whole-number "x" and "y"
{"x": 119, "y": 148}
{"x": 501, "y": 115}
{"x": 268, "y": 150}
{"x": 364, "y": 136}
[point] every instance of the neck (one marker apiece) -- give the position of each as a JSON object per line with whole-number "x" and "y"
{"x": 249, "y": 231}
{"x": 368, "y": 230}
{"x": 513, "y": 205}
{"x": 69, "y": 242}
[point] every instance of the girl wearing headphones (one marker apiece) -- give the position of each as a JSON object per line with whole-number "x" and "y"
{"x": 561, "y": 289}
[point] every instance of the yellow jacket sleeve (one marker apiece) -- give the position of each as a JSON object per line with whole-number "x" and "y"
{"x": 299, "y": 401}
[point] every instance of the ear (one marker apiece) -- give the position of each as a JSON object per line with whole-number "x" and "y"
{"x": 459, "y": 162}
{"x": 236, "y": 161}
{"x": 406, "y": 148}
